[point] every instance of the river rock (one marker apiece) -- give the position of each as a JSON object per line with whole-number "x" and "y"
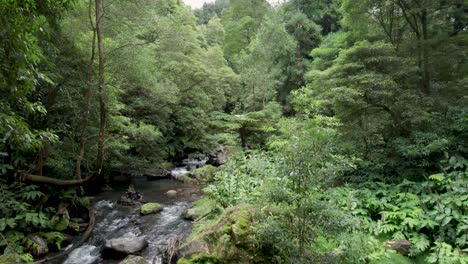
{"x": 190, "y": 214}
{"x": 134, "y": 260}
{"x": 131, "y": 197}
{"x": 38, "y": 247}
{"x": 171, "y": 193}
{"x": 205, "y": 174}
{"x": 219, "y": 156}
{"x": 119, "y": 248}
{"x": 194, "y": 247}
{"x": 150, "y": 208}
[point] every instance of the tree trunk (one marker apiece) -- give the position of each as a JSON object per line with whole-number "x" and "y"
{"x": 243, "y": 135}
{"x": 426, "y": 71}
{"x": 102, "y": 126}
{"x": 102, "y": 97}
{"x": 89, "y": 93}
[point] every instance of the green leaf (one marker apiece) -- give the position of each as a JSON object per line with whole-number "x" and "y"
{"x": 437, "y": 177}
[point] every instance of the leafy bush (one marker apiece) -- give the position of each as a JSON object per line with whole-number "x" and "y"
{"x": 430, "y": 214}
{"x": 242, "y": 179}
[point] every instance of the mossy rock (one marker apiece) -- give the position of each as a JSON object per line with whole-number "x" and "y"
{"x": 187, "y": 179}
{"x": 230, "y": 239}
{"x": 60, "y": 222}
{"x": 200, "y": 259}
{"x": 36, "y": 245}
{"x": 150, "y": 208}
{"x": 204, "y": 174}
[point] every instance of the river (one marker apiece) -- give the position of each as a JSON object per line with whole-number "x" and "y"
{"x": 114, "y": 221}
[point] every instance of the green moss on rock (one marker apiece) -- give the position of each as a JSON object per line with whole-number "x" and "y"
{"x": 150, "y": 208}
{"x": 205, "y": 174}
{"x": 60, "y": 223}
{"x": 229, "y": 239}
{"x": 200, "y": 259}
{"x": 187, "y": 179}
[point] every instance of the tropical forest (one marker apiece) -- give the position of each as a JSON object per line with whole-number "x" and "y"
{"x": 233, "y": 131}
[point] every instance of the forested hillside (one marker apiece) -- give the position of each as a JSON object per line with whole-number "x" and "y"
{"x": 345, "y": 123}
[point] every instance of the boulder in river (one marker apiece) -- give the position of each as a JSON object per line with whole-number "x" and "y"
{"x": 204, "y": 174}
{"x": 119, "y": 248}
{"x": 190, "y": 214}
{"x": 172, "y": 193}
{"x": 131, "y": 197}
{"x": 150, "y": 208}
{"x": 134, "y": 260}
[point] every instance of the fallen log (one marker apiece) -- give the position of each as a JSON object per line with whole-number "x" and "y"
{"x": 24, "y": 176}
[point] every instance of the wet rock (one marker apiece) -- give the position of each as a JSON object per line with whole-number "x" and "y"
{"x": 171, "y": 193}
{"x": 134, "y": 260}
{"x": 124, "y": 200}
{"x": 119, "y": 248}
{"x": 400, "y": 246}
{"x": 131, "y": 197}
{"x": 150, "y": 208}
{"x": 38, "y": 247}
{"x": 190, "y": 214}
{"x": 162, "y": 174}
{"x": 219, "y": 156}
{"x": 194, "y": 247}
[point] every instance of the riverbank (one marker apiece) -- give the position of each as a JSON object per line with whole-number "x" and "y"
{"x": 119, "y": 221}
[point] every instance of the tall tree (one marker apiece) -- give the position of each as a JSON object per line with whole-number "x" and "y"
{"x": 241, "y": 21}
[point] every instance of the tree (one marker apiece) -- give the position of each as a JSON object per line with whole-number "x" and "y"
{"x": 417, "y": 25}
{"x": 214, "y": 32}
{"x": 265, "y": 64}
{"x": 250, "y": 127}
{"x": 103, "y": 117}
{"x": 241, "y": 21}
{"x": 210, "y": 10}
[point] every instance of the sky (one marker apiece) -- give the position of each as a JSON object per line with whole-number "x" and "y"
{"x": 196, "y": 3}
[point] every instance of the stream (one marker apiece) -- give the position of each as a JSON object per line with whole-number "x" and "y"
{"x": 116, "y": 221}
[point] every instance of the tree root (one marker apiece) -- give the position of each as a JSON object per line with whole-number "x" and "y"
{"x": 86, "y": 235}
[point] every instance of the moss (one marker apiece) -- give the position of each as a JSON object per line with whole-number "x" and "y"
{"x": 230, "y": 237}
{"x": 205, "y": 174}
{"x": 150, "y": 208}
{"x": 187, "y": 179}
{"x": 201, "y": 259}
{"x": 60, "y": 223}
{"x": 10, "y": 259}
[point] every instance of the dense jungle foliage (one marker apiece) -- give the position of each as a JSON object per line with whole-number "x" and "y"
{"x": 346, "y": 122}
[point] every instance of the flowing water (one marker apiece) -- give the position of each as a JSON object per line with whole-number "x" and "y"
{"x": 115, "y": 221}
{"x": 187, "y": 166}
